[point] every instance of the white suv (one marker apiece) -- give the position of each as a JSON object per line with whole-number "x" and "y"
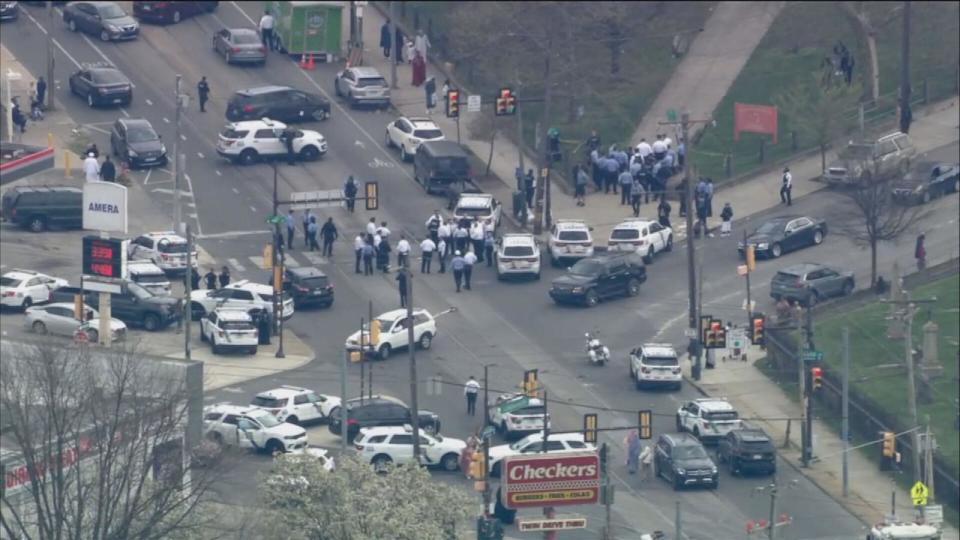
{"x": 644, "y": 237}
{"x": 247, "y": 142}
{"x": 166, "y": 249}
{"x": 243, "y": 294}
{"x": 570, "y": 240}
{"x": 229, "y": 328}
{"x": 23, "y": 288}
{"x": 296, "y": 405}
{"x": 408, "y": 133}
{"x": 393, "y": 332}
{"x": 518, "y": 254}
{"x": 655, "y": 364}
{"x": 557, "y": 443}
{"x": 251, "y": 427}
{"x": 708, "y": 419}
{"x": 478, "y": 205}
{"x": 512, "y": 421}
{"x": 394, "y": 444}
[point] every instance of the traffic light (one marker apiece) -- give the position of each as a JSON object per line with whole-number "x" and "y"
{"x": 889, "y": 444}
{"x": 372, "y": 190}
{"x": 751, "y": 253}
{"x": 757, "y": 336}
{"x": 715, "y": 335}
{"x": 477, "y": 468}
{"x": 506, "y": 103}
{"x": 645, "y": 421}
{"x": 590, "y": 428}
{"x": 453, "y": 103}
{"x": 816, "y": 377}
{"x": 375, "y": 332}
{"x": 530, "y": 383}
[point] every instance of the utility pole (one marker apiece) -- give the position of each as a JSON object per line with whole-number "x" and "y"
{"x": 845, "y": 410}
{"x": 548, "y": 511}
{"x": 343, "y": 394}
{"x": 605, "y": 486}
{"x": 905, "y": 90}
{"x": 808, "y": 396}
{"x": 51, "y": 84}
{"x": 541, "y": 191}
{"x": 909, "y": 312}
{"x": 395, "y": 50}
{"x": 486, "y": 394}
{"x": 411, "y": 347}
{"x": 177, "y": 164}
{"x": 746, "y": 249}
{"x": 277, "y": 267}
{"x": 677, "y": 521}
{"x": 188, "y": 288}
{"x": 802, "y": 385}
{"x": 772, "y": 531}
{"x": 928, "y": 465}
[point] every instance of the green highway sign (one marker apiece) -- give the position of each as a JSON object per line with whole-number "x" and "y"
{"x": 514, "y": 404}
{"x": 812, "y": 356}
{"x": 275, "y": 220}
{"x": 488, "y": 432}
{"x": 671, "y": 115}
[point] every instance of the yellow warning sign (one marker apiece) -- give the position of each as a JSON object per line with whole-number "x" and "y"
{"x": 919, "y": 493}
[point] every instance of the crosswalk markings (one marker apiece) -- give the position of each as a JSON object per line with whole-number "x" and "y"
{"x": 236, "y": 264}
{"x": 315, "y": 258}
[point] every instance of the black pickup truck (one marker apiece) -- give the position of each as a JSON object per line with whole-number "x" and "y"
{"x": 135, "y": 305}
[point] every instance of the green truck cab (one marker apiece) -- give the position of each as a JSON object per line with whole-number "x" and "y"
{"x": 310, "y": 27}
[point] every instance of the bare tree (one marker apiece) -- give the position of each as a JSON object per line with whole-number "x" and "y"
{"x": 98, "y": 440}
{"x": 355, "y": 502}
{"x": 876, "y": 217}
{"x": 866, "y": 31}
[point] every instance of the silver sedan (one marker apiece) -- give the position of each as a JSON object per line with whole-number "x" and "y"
{"x": 239, "y": 45}
{"x": 58, "y": 319}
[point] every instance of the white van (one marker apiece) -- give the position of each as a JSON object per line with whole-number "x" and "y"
{"x": 150, "y": 276}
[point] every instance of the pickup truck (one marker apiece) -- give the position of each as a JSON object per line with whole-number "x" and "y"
{"x": 134, "y": 305}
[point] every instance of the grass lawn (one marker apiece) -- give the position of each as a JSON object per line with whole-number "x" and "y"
{"x": 792, "y": 52}
{"x": 888, "y": 387}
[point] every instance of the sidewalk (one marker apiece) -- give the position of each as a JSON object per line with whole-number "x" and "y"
{"x": 755, "y": 396}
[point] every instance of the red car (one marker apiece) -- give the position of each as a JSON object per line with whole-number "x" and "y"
{"x": 171, "y": 12}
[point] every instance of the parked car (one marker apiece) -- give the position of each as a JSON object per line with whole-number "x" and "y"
{"x": 9, "y": 11}
{"x": 59, "y": 319}
{"x": 858, "y": 163}
{"x": 407, "y": 134}
{"x": 149, "y": 276}
{"x": 393, "y": 332}
{"x": 809, "y": 283}
{"x": 379, "y": 411}
{"x": 101, "y": 85}
{"x": 747, "y": 450}
{"x": 655, "y": 364}
{"x": 384, "y": 445}
{"x": 39, "y": 208}
{"x": 926, "y": 181}
{"x": 441, "y": 166}
{"x": 296, "y": 405}
{"x": 240, "y": 46}
{"x": 135, "y": 141}
{"x": 171, "y": 12}
{"x": 681, "y": 460}
{"x": 24, "y": 288}
{"x": 133, "y": 305}
{"x": 518, "y": 254}
{"x": 106, "y": 20}
{"x": 784, "y": 234}
{"x": 281, "y": 103}
{"x": 641, "y": 236}
{"x": 229, "y": 329}
{"x": 307, "y": 286}
{"x": 166, "y": 249}
{"x": 251, "y": 427}
{"x": 598, "y": 278}
{"x": 248, "y": 142}
{"x": 362, "y": 85}
{"x": 570, "y": 240}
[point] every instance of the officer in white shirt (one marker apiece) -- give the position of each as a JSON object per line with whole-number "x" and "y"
{"x": 470, "y": 390}
{"x": 433, "y": 225}
{"x": 372, "y": 226}
{"x": 427, "y": 247}
{"x": 383, "y": 231}
{"x": 403, "y": 252}
{"x": 358, "y": 243}
{"x": 659, "y": 148}
{"x": 266, "y": 29}
{"x": 469, "y": 260}
{"x": 442, "y": 249}
{"x": 476, "y": 238}
{"x": 786, "y": 187}
{"x": 667, "y": 141}
{"x": 644, "y": 149}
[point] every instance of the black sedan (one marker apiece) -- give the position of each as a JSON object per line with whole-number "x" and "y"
{"x": 171, "y": 12}
{"x": 783, "y": 234}
{"x": 135, "y": 141}
{"x": 927, "y": 181}
{"x": 103, "y": 85}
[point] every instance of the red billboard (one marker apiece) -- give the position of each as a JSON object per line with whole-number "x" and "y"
{"x": 754, "y": 118}
{"x": 537, "y": 480}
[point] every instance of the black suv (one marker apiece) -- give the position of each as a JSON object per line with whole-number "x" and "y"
{"x": 102, "y": 85}
{"x": 680, "y": 459}
{"x": 747, "y": 450}
{"x": 135, "y": 141}
{"x": 277, "y": 103}
{"x": 598, "y": 278}
{"x": 379, "y": 411}
{"x": 41, "y": 207}
{"x": 308, "y": 286}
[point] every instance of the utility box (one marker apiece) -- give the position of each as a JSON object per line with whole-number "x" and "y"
{"x": 304, "y": 27}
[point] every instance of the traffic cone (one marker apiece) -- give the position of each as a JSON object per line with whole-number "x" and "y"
{"x": 310, "y": 64}
{"x": 303, "y": 61}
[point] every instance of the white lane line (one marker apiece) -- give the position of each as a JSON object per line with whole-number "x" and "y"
{"x": 315, "y": 258}
{"x": 235, "y": 190}
{"x": 236, "y": 264}
{"x": 147, "y": 101}
{"x": 183, "y": 137}
{"x": 166, "y": 120}
{"x": 220, "y": 174}
{"x": 252, "y": 209}
{"x": 124, "y": 111}
{"x": 95, "y": 128}
{"x": 200, "y": 155}
{"x": 146, "y": 179}
{"x": 194, "y": 216}
{"x": 55, "y": 42}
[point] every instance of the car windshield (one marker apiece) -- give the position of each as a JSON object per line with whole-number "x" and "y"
{"x": 689, "y": 452}
{"x": 574, "y": 236}
{"x": 624, "y": 234}
{"x": 141, "y": 134}
{"x": 317, "y": 282}
{"x": 770, "y": 227}
{"x": 587, "y": 268}
{"x": 518, "y": 251}
{"x": 245, "y": 38}
{"x": 237, "y": 325}
{"x": 229, "y": 133}
{"x": 857, "y": 152}
{"x": 266, "y": 419}
{"x": 428, "y": 133}
{"x": 172, "y": 247}
{"x": 720, "y": 415}
{"x": 111, "y": 11}
{"x": 107, "y": 76}
{"x": 139, "y": 291}
{"x": 372, "y": 81}
{"x": 661, "y": 361}
{"x": 10, "y": 282}
{"x": 267, "y": 402}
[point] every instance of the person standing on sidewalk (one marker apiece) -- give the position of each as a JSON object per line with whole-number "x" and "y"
{"x": 421, "y": 44}
{"x": 626, "y": 184}
{"x": 469, "y": 259}
{"x": 41, "y": 92}
{"x": 461, "y": 236}
{"x": 266, "y": 29}
{"x": 708, "y": 191}
{"x": 427, "y": 247}
{"x": 403, "y": 252}
{"x": 210, "y": 278}
{"x": 611, "y": 168}
{"x": 488, "y": 246}
{"x": 646, "y": 463}
{"x": 329, "y": 234}
{"x": 108, "y": 171}
{"x": 786, "y": 187}
{"x": 91, "y": 169}
{"x": 682, "y": 195}
{"x": 312, "y": 234}
{"x": 476, "y": 239}
{"x": 920, "y": 252}
{"x": 203, "y": 93}
{"x": 306, "y": 227}
{"x": 632, "y": 442}
{"x": 358, "y": 244}
{"x": 636, "y": 194}
{"x": 350, "y": 193}
{"x": 402, "y": 287}
{"x": 470, "y": 390}
{"x": 385, "y": 39}
{"x": 368, "y": 252}
{"x": 291, "y": 228}
{"x": 224, "y": 277}
{"x": 726, "y": 215}
{"x": 457, "y": 264}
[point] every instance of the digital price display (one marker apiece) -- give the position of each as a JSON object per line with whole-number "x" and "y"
{"x": 104, "y": 257}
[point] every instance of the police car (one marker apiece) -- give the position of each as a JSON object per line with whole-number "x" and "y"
{"x": 23, "y": 288}
{"x": 478, "y": 205}
{"x": 252, "y": 140}
{"x": 229, "y": 329}
{"x": 518, "y": 255}
{"x": 251, "y": 427}
{"x": 243, "y": 294}
{"x": 708, "y": 419}
{"x": 655, "y": 364}
{"x": 296, "y": 405}
{"x": 641, "y": 236}
{"x": 166, "y": 249}
{"x": 570, "y": 240}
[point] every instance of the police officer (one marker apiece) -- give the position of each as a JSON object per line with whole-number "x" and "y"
{"x": 194, "y": 279}
{"x": 402, "y": 286}
{"x": 224, "y": 277}
{"x": 350, "y": 192}
{"x": 433, "y": 226}
{"x": 203, "y": 93}
{"x": 457, "y": 264}
{"x": 469, "y": 260}
{"x": 211, "y": 279}
{"x": 287, "y": 137}
{"x": 329, "y": 234}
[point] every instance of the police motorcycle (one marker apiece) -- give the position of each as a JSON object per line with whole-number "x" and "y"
{"x": 597, "y": 353}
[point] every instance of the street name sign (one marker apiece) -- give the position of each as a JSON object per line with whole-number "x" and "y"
{"x": 812, "y": 356}
{"x": 473, "y": 103}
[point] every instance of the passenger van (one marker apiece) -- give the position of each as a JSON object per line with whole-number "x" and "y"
{"x": 438, "y": 164}
{"x": 149, "y": 276}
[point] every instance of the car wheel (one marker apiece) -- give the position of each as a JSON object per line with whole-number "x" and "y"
{"x": 818, "y": 237}
{"x": 90, "y": 102}
{"x": 214, "y": 348}
{"x": 775, "y": 250}
{"x": 450, "y": 462}
{"x": 309, "y": 153}
{"x": 38, "y": 327}
{"x": 72, "y": 25}
{"x": 248, "y": 156}
{"x": 27, "y": 302}
{"x": 669, "y": 246}
{"x": 104, "y": 36}
{"x": 93, "y": 336}
{"x": 677, "y": 484}
{"x": 386, "y": 139}
{"x": 350, "y": 100}
{"x": 176, "y": 16}
{"x": 318, "y": 115}
{"x": 252, "y": 351}
{"x": 381, "y": 463}
{"x": 591, "y": 298}
{"x": 37, "y": 224}
{"x": 274, "y": 447}
{"x": 384, "y": 352}
{"x": 848, "y": 288}
{"x": 404, "y": 156}
{"x": 648, "y": 258}
{"x": 537, "y": 276}
{"x": 426, "y": 340}
{"x": 633, "y": 288}
{"x": 213, "y": 45}
{"x": 151, "y": 322}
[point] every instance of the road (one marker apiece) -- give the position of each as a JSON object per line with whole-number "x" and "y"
{"x": 513, "y": 325}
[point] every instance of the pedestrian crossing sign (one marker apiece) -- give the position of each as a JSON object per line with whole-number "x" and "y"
{"x": 919, "y": 493}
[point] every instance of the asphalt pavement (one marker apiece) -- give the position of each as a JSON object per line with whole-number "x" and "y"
{"x": 512, "y": 325}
